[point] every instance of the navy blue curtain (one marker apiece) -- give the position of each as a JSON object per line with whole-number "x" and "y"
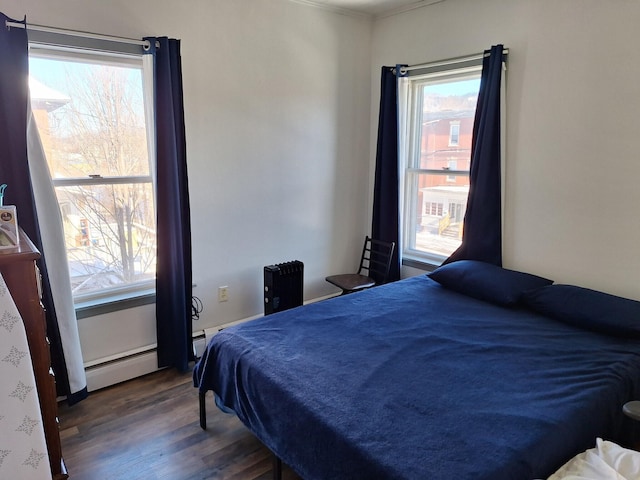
{"x": 14, "y": 98}
{"x": 385, "y": 222}
{"x": 173, "y": 274}
{"x": 482, "y": 235}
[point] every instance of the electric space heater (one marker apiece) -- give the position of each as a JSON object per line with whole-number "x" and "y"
{"x": 283, "y": 286}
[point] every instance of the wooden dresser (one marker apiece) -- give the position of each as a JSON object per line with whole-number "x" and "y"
{"x": 22, "y": 277}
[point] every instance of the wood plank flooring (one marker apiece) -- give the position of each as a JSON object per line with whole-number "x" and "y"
{"x": 148, "y": 429}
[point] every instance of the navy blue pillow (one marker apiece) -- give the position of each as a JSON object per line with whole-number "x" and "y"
{"x": 486, "y": 281}
{"x": 587, "y": 308}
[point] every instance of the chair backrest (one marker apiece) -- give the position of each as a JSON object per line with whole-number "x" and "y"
{"x": 375, "y": 261}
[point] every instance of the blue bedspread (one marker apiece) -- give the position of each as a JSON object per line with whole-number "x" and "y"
{"x": 413, "y": 381}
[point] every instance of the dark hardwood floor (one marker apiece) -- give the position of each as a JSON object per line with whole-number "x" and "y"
{"x": 148, "y": 428}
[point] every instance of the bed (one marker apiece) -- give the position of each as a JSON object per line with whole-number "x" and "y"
{"x": 473, "y": 372}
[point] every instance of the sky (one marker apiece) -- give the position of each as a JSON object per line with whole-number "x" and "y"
{"x": 454, "y": 88}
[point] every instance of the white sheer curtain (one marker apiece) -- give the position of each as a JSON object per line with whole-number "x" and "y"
{"x": 403, "y": 153}
{"x": 150, "y": 118}
{"x": 50, "y": 223}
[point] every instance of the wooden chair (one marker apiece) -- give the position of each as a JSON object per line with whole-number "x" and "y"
{"x": 375, "y": 264}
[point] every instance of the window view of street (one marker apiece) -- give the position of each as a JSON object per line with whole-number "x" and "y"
{"x": 91, "y": 120}
{"x": 438, "y": 173}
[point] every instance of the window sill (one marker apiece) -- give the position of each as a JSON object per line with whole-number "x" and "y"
{"x": 114, "y": 304}
{"x": 420, "y": 264}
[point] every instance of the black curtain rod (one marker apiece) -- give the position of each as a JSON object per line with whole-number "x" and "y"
{"x": 450, "y": 61}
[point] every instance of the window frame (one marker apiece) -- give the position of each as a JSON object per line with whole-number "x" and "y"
{"x": 105, "y": 51}
{"x": 409, "y": 161}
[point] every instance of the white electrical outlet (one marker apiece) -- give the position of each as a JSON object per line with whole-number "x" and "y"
{"x": 223, "y": 294}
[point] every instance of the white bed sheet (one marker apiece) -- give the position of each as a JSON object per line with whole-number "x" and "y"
{"x": 607, "y": 461}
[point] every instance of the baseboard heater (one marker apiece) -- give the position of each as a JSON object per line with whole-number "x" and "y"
{"x": 283, "y": 286}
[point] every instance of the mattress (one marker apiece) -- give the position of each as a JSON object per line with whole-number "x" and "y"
{"x": 413, "y": 381}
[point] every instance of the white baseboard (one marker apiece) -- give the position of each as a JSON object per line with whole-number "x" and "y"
{"x": 198, "y": 344}
{"x": 110, "y": 373}
{"x": 102, "y": 375}
{"x": 210, "y": 332}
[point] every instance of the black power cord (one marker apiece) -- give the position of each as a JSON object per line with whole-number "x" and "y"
{"x": 196, "y": 308}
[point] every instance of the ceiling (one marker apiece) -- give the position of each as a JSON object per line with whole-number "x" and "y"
{"x": 374, "y": 7}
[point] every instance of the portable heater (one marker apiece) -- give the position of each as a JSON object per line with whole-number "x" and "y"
{"x": 283, "y": 283}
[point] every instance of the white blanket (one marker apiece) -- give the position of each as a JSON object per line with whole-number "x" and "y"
{"x": 607, "y": 461}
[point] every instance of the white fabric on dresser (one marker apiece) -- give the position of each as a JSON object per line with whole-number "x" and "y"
{"x": 23, "y": 451}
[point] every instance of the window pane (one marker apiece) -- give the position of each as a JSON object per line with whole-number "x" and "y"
{"x": 91, "y": 119}
{"x": 454, "y": 134}
{"x": 110, "y": 235}
{"x": 443, "y": 126}
{"x": 440, "y": 213}
{"x": 446, "y": 123}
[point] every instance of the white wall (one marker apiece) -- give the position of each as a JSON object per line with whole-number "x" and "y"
{"x": 573, "y": 97}
{"x": 277, "y": 107}
{"x": 281, "y": 105}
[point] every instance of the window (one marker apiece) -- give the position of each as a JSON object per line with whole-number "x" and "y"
{"x": 90, "y": 112}
{"x": 432, "y": 208}
{"x": 440, "y": 109}
{"x": 452, "y": 165}
{"x": 454, "y": 133}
